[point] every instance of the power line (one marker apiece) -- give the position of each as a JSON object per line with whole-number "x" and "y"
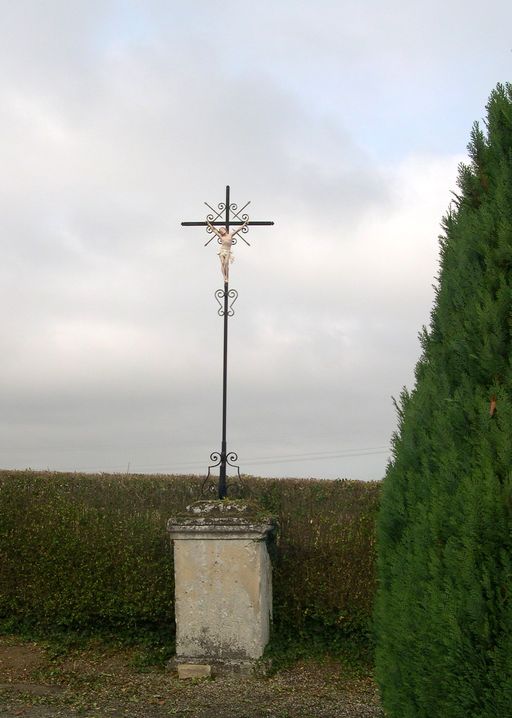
{"x": 316, "y": 458}
{"x": 251, "y": 461}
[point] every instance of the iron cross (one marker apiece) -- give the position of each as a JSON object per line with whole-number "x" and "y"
{"x": 232, "y": 217}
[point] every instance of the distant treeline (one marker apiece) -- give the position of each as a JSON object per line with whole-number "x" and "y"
{"x": 91, "y": 552}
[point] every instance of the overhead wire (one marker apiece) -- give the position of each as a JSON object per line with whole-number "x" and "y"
{"x": 250, "y": 461}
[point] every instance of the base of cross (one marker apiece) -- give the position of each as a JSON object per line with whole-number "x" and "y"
{"x": 219, "y": 486}
{"x": 223, "y": 587}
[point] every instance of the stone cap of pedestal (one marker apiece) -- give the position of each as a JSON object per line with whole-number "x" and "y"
{"x": 221, "y": 519}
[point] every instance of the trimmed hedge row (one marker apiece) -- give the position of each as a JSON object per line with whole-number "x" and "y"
{"x": 91, "y": 551}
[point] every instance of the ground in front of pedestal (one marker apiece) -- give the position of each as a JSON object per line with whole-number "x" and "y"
{"x": 103, "y": 682}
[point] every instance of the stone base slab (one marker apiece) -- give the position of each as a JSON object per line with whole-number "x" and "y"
{"x": 192, "y": 668}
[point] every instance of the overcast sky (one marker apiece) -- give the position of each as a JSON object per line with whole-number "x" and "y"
{"x": 342, "y": 121}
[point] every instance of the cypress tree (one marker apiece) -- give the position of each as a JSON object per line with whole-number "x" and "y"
{"x": 444, "y": 604}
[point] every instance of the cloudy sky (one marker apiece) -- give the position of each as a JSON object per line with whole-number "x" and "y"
{"x": 343, "y": 121}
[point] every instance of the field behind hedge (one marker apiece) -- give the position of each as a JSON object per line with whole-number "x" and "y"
{"x": 90, "y": 552}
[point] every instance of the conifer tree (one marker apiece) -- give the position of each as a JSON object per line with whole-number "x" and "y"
{"x": 444, "y": 605}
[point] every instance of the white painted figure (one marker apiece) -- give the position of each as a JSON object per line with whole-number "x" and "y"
{"x": 226, "y": 241}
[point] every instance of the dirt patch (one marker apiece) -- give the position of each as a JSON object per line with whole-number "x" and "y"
{"x": 101, "y": 683}
{"x": 19, "y": 661}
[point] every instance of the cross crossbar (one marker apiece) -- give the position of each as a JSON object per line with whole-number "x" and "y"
{"x": 223, "y": 224}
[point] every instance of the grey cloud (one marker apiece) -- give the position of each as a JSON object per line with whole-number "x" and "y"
{"x": 115, "y": 126}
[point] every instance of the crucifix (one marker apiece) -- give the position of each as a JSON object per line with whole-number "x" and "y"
{"x": 225, "y": 217}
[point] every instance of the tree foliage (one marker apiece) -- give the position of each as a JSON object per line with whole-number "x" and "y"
{"x": 444, "y": 606}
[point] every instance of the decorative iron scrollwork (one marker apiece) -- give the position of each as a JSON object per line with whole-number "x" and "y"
{"x": 209, "y": 487}
{"x": 241, "y": 218}
{"x": 213, "y": 216}
{"x": 234, "y": 485}
{"x": 220, "y": 296}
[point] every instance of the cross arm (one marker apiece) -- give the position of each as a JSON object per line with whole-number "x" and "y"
{"x": 223, "y": 224}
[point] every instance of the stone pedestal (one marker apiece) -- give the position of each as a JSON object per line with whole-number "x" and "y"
{"x": 223, "y": 587}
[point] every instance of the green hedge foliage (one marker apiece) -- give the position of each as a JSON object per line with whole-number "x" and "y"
{"x": 82, "y": 552}
{"x": 444, "y": 607}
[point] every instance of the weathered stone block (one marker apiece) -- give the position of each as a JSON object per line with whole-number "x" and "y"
{"x": 223, "y": 583}
{"x": 194, "y": 670}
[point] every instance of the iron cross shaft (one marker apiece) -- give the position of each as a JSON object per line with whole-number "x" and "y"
{"x": 227, "y": 215}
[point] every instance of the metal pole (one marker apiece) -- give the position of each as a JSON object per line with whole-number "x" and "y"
{"x": 223, "y": 450}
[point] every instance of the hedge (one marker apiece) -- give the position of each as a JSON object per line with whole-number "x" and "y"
{"x": 82, "y": 552}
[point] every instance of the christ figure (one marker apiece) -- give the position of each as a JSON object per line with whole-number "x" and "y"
{"x": 225, "y": 240}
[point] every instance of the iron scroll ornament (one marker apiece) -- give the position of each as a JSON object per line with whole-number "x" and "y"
{"x": 209, "y": 485}
{"x": 220, "y": 295}
{"x": 233, "y": 208}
